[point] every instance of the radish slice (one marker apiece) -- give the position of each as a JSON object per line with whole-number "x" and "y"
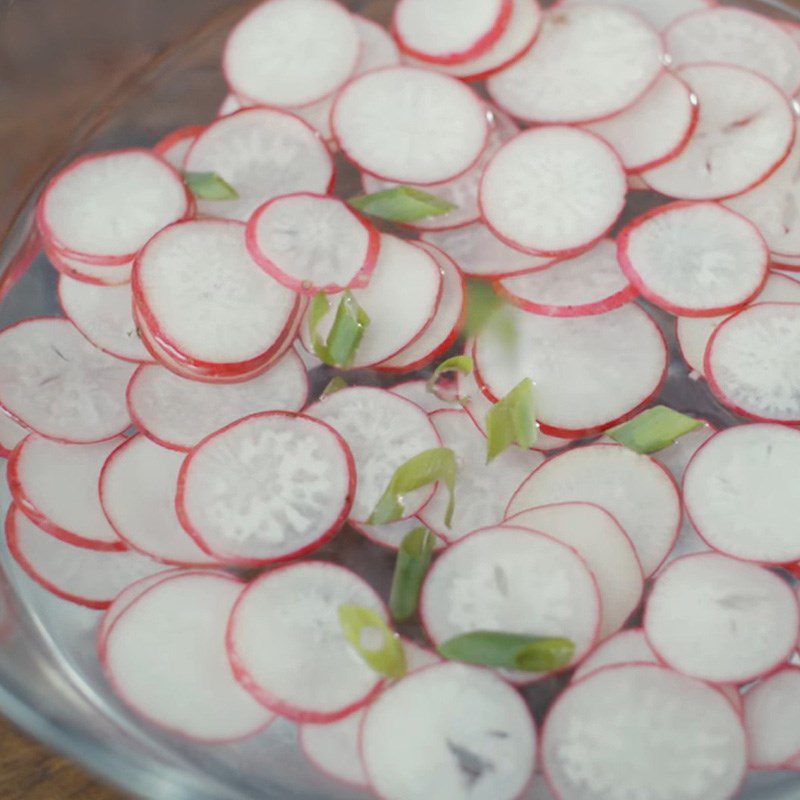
{"x": 552, "y": 190}
{"x": 751, "y": 362}
{"x": 770, "y": 719}
{"x": 400, "y": 300}
{"x": 407, "y": 124}
{"x": 744, "y": 618}
{"x": 230, "y": 105}
{"x": 640, "y": 730}
{"x": 291, "y": 52}
{"x": 12, "y": 433}
{"x": 591, "y": 283}
{"x": 635, "y": 489}
{"x": 655, "y": 128}
{"x": 200, "y": 294}
{"x": 625, "y": 647}
{"x": 449, "y": 731}
{"x": 590, "y": 372}
{"x": 178, "y": 413}
{"x": 417, "y": 392}
{"x": 174, "y": 146}
{"x": 383, "y": 431}
{"x": 736, "y": 36}
{"x": 745, "y": 130}
{"x": 589, "y": 62}
{"x": 262, "y": 153}
{"x": 55, "y": 485}
{"x": 483, "y": 490}
{"x": 605, "y": 547}
{"x": 166, "y": 659}
{"x": 740, "y": 491}
{"x": 290, "y": 616}
{"x": 269, "y": 487}
{"x": 694, "y": 259}
{"x": 104, "y": 315}
{"x": 312, "y": 243}
{"x": 105, "y": 206}
{"x": 659, "y": 13}
{"x": 391, "y": 534}
{"x": 694, "y": 333}
{"x": 146, "y": 520}
{"x": 91, "y": 578}
{"x": 677, "y": 456}
{"x": 59, "y": 385}
{"x": 104, "y": 275}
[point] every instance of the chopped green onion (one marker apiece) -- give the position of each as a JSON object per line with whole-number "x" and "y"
{"x": 402, "y": 204}
{"x": 486, "y": 309}
{"x": 438, "y": 464}
{"x": 509, "y": 651}
{"x": 654, "y": 429}
{"x": 209, "y": 186}
{"x": 462, "y": 364}
{"x": 345, "y": 336}
{"x": 413, "y": 560}
{"x": 334, "y": 385}
{"x": 364, "y": 627}
{"x": 512, "y": 421}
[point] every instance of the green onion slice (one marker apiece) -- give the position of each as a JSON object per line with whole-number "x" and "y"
{"x": 376, "y": 643}
{"x": 402, "y": 204}
{"x": 509, "y": 651}
{"x": 209, "y": 186}
{"x": 462, "y": 364}
{"x": 654, "y": 429}
{"x": 334, "y": 385}
{"x": 345, "y": 336}
{"x": 413, "y": 560}
{"x": 512, "y": 421}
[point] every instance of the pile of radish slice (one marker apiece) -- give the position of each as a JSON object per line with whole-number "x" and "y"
{"x": 173, "y": 459}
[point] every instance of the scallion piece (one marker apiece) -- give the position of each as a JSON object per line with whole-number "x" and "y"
{"x": 509, "y": 651}
{"x": 345, "y": 336}
{"x": 402, "y": 204}
{"x": 512, "y": 421}
{"x": 654, "y": 429}
{"x": 413, "y": 560}
{"x": 334, "y": 385}
{"x": 209, "y": 186}
{"x": 462, "y": 364}
{"x": 376, "y": 643}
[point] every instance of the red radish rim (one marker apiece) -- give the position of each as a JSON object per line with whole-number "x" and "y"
{"x": 176, "y": 136}
{"x": 77, "y": 275}
{"x": 786, "y": 764}
{"x": 363, "y": 530}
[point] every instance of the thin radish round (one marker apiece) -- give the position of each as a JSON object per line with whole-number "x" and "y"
{"x": 640, "y": 730}
{"x": 589, "y": 62}
{"x": 770, "y": 719}
{"x": 677, "y": 456}
{"x": 407, "y": 124}
{"x": 291, "y": 52}
{"x": 383, "y": 431}
{"x": 590, "y": 372}
{"x": 721, "y": 620}
{"x": 174, "y": 146}
{"x": 515, "y": 580}
{"x": 165, "y": 657}
{"x": 55, "y": 485}
{"x": 417, "y": 392}
{"x": 752, "y": 362}
{"x": 272, "y": 486}
{"x": 449, "y": 731}
{"x": 391, "y": 534}
{"x": 231, "y": 104}
{"x": 59, "y": 385}
{"x": 103, "y": 275}
{"x": 12, "y": 433}
{"x": 740, "y": 490}
{"x": 591, "y": 283}
{"x": 635, "y": 489}
{"x": 552, "y": 190}
{"x": 694, "y": 259}
{"x": 262, "y": 153}
{"x": 745, "y": 130}
{"x": 605, "y": 547}
{"x": 659, "y": 13}
{"x": 626, "y": 647}
{"x": 290, "y": 617}
{"x": 313, "y": 243}
{"x": 138, "y": 485}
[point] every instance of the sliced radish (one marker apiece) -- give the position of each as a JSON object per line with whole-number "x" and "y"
{"x": 313, "y": 243}
{"x": 56, "y": 486}
{"x": 104, "y": 315}
{"x": 591, "y": 283}
{"x": 745, "y": 130}
{"x": 391, "y": 534}
{"x": 449, "y": 731}
{"x": 640, "y": 730}
{"x": 417, "y": 392}
{"x": 740, "y": 491}
{"x": 625, "y": 647}
{"x": 635, "y": 489}
{"x": 751, "y": 362}
{"x": 589, "y": 62}
{"x": 166, "y": 658}
{"x": 103, "y": 207}
{"x": 230, "y": 105}
{"x": 552, "y": 190}
{"x": 290, "y": 618}
{"x": 770, "y": 719}
{"x": 736, "y": 36}
{"x": 744, "y": 618}
{"x": 103, "y": 275}
{"x": 291, "y": 52}
{"x": 482, "y": 490}
{"x": 91, "y": 578}
{"x": 514, "y": 580}
{"x": 407, "y": 124}
{"x": 12, "y": 433}
{"x": 178, "y": 413}
{"x": 655, "y": 128}
{"x": 269, "y": 487}
{"x": 262, "y": 153}
{"x": 694, "y": 259}
{"x": 59, "y": 385}
{"x": 677, "y": 456}
{"x": 590, "y": 372}
{"x": 174, "y": 146}
{"x": 605, "y": 547}
{"x": 659, "y": 13}
{"x": 383, "y": 431}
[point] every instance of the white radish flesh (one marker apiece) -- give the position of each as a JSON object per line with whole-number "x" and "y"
{"x": 103, "y": 275}
{"x": 391, "y": 534}
{"x": 174, "y": 146}
{"x": 11, "y": 433}
{"x": 659, "y": 13}
{"x": 626, "y": 647}
{"x": 770, "y": 719}
{"x": 417, "y": 392}
{"x": 677, "y": 456}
